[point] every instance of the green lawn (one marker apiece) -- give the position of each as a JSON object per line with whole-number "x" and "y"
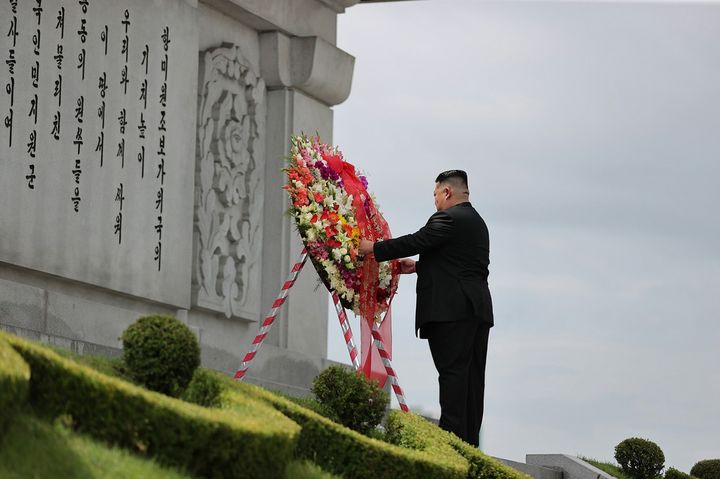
{"x": 34, "y": 448}
{"x": 37, "y": 449}
{"x": 612, "y": 469}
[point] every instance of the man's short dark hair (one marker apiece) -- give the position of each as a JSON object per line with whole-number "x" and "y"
{"x": 457, "y": 178}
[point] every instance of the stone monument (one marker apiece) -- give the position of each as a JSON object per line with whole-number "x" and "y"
{"x": 141, "y": 147}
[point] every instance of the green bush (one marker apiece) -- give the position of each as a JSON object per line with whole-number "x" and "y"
{"x": 706, "y": 469}
{"x": 14, "y": 380}
{"x": 347, "y": 453}
{"x": 204, "y": 389}
{"x": 412, "y": 431}
{"x": 353, "y": 400}
{"x": 161, "y": 353}
{"x": 673, "y": 473}
{"x": 253, "y": 441}
{"x": 640, "y": 458}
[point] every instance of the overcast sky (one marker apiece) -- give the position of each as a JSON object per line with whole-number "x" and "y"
{"x": 591, "y": 136}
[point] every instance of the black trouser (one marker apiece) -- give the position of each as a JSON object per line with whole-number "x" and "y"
{"x": 459, "y": 351}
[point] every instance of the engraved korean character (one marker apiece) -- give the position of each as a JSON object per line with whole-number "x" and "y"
{"x": 161, "y": 171}
{"x": 125, "y": 47}
{"x": 101, "y": 114}
{"x": 34, "y": 108}
{"x": 31, "y": 177}
{"x": 80, "y": 109}
{"x": 166, "y": 38}
{"x": 158, "y": 254}
{"x": 124, "y": 80}
{"x": 77, "y": 171}
{"x": 122, "y": 120}
{"x": 78, "y": 141}
{"x": 161, "y": 145}
{"x": 121, "y": 152}
{"x": 100, "y": 147}
{"x": 145, "y": 58}
{"x": 118, "y": 226}
{"x": 142, "y": 127}
{"x": 159, "y": 227}
{"x": 143, "y": 93}
{"x": 119, "y": 196}
{"x": 10, "y": 90}
{"x": 11, "y": 61}
{"x": 13, "y": 33}
{"x": 57, "y": 90}
{"x": 59, "y": 56}
{"x": 141, "y": 160}
{"x": 76, "y": 199}
{"x": 56, "y": 126}
{"x": 37, "y": 10}
{"x": 162, "y": 122}
{"x": 32, "y": 143}
{"x": 82, "y": 33}
{"x": 164, "y": 66}
{"x": 102, "y": 84}
{"x": 159, "y": 199}
{"x": 60, "y": 25}
{"x": 36, "y": 42}
{"x": 9, "y": 125}
{"x": 35, "y": 74}
{"x": 104, "y": 37}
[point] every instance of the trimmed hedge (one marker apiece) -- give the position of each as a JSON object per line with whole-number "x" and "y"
{"x": 673, "y": 473}
{"x": 706, "y": 469}
{"x": 209, "y": 443}
{"x": 342, "y": 451}
{"x": 411, "y": 430}
{"x": 14, "y": 381}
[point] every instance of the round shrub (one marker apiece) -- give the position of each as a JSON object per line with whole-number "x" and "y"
{"x": 351, "y": 399}
{"x": 161, "y": 353}
{"x": 640, "y": 458}
{"x": 707, "y": 469}
{"x": 204, "y": 389}
{"x": 673, "y": 473}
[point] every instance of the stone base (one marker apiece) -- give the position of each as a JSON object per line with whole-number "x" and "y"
{"x": 90, "y": 320}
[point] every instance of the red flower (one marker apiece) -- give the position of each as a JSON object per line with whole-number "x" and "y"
{"x": 318, "y": 197}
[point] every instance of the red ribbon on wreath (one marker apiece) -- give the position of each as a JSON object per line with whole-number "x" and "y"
{"x": 373, "y": 227}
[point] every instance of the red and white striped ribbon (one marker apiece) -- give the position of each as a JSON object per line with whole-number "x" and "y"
{"x": 347, "y": 332}
{"x": 270, "y": 319}
{"x": 380, "y": 345}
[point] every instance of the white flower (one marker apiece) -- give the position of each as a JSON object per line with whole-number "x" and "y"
{"x": 347, "y": 258}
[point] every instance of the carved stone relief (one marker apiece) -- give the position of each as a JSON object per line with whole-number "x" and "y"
{"x": 229, "y": 185}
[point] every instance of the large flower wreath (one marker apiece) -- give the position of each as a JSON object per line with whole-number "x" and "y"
{"x": 333, "y": 210}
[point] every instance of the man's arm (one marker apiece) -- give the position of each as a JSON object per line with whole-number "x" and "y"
{"x": 437, "y": 230}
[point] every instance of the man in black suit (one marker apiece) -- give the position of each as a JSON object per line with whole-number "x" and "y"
{"x": 454, "y": 309}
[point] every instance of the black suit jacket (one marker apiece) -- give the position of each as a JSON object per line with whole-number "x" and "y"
{"x": 452, "y": 272}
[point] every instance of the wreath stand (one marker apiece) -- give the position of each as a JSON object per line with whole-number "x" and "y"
{"x": 377, "y": 342}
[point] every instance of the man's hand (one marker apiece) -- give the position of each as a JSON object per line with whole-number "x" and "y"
{"x": 407, "y": 266}
{"x": 366, "y": 247}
